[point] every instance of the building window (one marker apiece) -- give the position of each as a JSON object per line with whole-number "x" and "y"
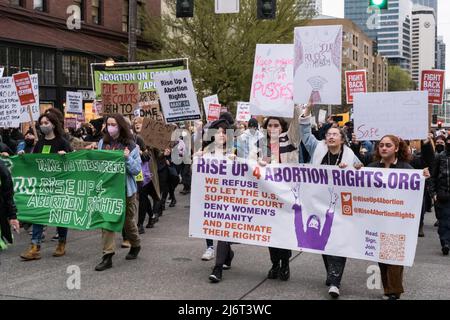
{"x": 80, "y": 4}
{"x": 49, "y": 68}
{"x": 25, "y": 60}
{"x": 14, "y": 60}
{"x": 97, "y": 6}
{"x": 40, "y": 5}
{"x": 125, "y": 16}
{"x": 19, "y": 3}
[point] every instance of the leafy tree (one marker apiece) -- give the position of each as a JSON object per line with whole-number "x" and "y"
{"x": 399, "y": 79}
{"x": 221, "y": 47}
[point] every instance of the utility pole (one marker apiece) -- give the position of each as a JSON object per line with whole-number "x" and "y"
{"x": 132, "y": 26}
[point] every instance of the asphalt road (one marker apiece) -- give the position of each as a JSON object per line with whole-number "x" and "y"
{"x": 169, "y": 267}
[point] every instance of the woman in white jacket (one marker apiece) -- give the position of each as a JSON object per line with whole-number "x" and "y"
{"x": 331, "y": 151}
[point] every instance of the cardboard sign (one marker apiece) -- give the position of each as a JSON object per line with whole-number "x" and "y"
{"x": 177, "y": 95}
{"x": 157, "y": 134}
{"x": 214, "y": 111}
{"x": 24, "y": 88}
{"x": 74, "y": 102}
{"x": 356, "y": 82}
{"x": 433, "y": 82}
{"x": 243, "y": 111}
{"x": 403, "y": 114}
{"x": 120, "y": 98}
{"x": 272, "y": 85}
{"x": 318, "y": 65}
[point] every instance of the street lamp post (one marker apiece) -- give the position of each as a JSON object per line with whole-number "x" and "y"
{"x": 132, "y": 26}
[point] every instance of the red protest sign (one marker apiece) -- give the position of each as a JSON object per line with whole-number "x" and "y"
{"x": 356, "y": 82}
{"x": 214, "y": 112}
{"x": 24, "y": 88}
{"x": 433, "y": 82}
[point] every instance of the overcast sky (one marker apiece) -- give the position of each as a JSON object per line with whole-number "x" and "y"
{"x": 336, "y": 8}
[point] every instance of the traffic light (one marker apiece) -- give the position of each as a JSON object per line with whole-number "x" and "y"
{"x": 439, "y": 124}
{"x": 266, "y": 9}
{"x": 185, "y": 8}
{"x": 382, "y": 4}
{"x": 434, "y": 119}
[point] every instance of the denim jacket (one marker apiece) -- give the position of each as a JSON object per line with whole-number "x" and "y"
{"x": 133, "y": 166}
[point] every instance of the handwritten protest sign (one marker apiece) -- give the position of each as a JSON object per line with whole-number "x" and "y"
{"x": 12, "y": 113}
{"x": 120, "y": 98}
{"x": 157, "y": 134}
{"x": 272, "y": 85}
{"x": 433, "y": 82}
{"x": 81, "y": 190}
{"x": 177, "y": 96}
{"x": 243, "y": 111}
{"x": 356, "y": 82}
{"x": 309, "y": 208}
{"x": 317, "y": 69}
{"x": 403, "y": 114}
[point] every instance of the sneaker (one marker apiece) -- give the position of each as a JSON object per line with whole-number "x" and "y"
{"x": 284, "y": 272}
{"x": 390, "y": 297}
{"x": 126, "y": 244}
{"x": 55, "y": 237}
{"x": 141, "y": 229}
{"x": 334, "y": 292}
{"x": 227, "y": 264}
{"x": 445, "y": 250}
{"x": 216, "y": 275}
{"x": 209, "y": 254}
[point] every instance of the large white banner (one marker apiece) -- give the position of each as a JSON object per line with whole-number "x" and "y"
{"x": 12, "y": 113}
{"x": 177, "y": 96}
{"x": 317, "y": 70}
{"x": 403, "y": 114}
{"x": 272, "y": 86}
{"x": 371, "y": 214}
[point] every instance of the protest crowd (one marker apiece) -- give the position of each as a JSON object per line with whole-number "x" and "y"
{"x": 147, "y": 162}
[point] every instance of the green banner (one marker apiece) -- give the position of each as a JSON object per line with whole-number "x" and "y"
{"x": 81, "y": 190}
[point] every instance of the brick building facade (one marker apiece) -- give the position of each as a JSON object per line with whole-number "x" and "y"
{"x": 35, "y": 37}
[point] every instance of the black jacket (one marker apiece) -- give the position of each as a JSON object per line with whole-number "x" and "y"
{"x": 8, "y": 208}
{"x": 398, "y": 165}
{"x": 440, "y": 174}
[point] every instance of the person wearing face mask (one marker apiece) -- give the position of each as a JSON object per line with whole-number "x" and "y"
{"x": 333, "y": 152}
{"x": 52, "y": 141}
{"x": 440, "y": 192}
{"x": 439, "y": 145}
{"x": 393, "y": 153}
{"x": 118, "y": 137}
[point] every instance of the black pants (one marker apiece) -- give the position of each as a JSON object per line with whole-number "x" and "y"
{"x": 145, "y": 206}
{"x": 335, "y": 269}
{"x": 278, "y": 255}
{"x": 172, "y": 183}
{"x": 223, "y": 251}
{"x": 186, "y": 175}
{"x": 443, "y": 215}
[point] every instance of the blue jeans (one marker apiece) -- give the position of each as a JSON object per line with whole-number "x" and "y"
{"x": 38, "y": 229}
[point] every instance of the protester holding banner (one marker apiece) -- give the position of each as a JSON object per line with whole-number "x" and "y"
{"x": 331, "y": 151}
{"x": 8, "y": 209}
{"x": 216, "y": 146}
{"x": 280, "y": 145}
{"x": 440, "y": 191}
{"x": 52, "y": 141}
{"x": 392, "y": 152}
{"x": 118, "y": 137}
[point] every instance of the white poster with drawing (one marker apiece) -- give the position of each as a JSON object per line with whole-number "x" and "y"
{"x": 272, "y": 86}
{"x": 403, "y": 114}
{"x": 318, "y": 65}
